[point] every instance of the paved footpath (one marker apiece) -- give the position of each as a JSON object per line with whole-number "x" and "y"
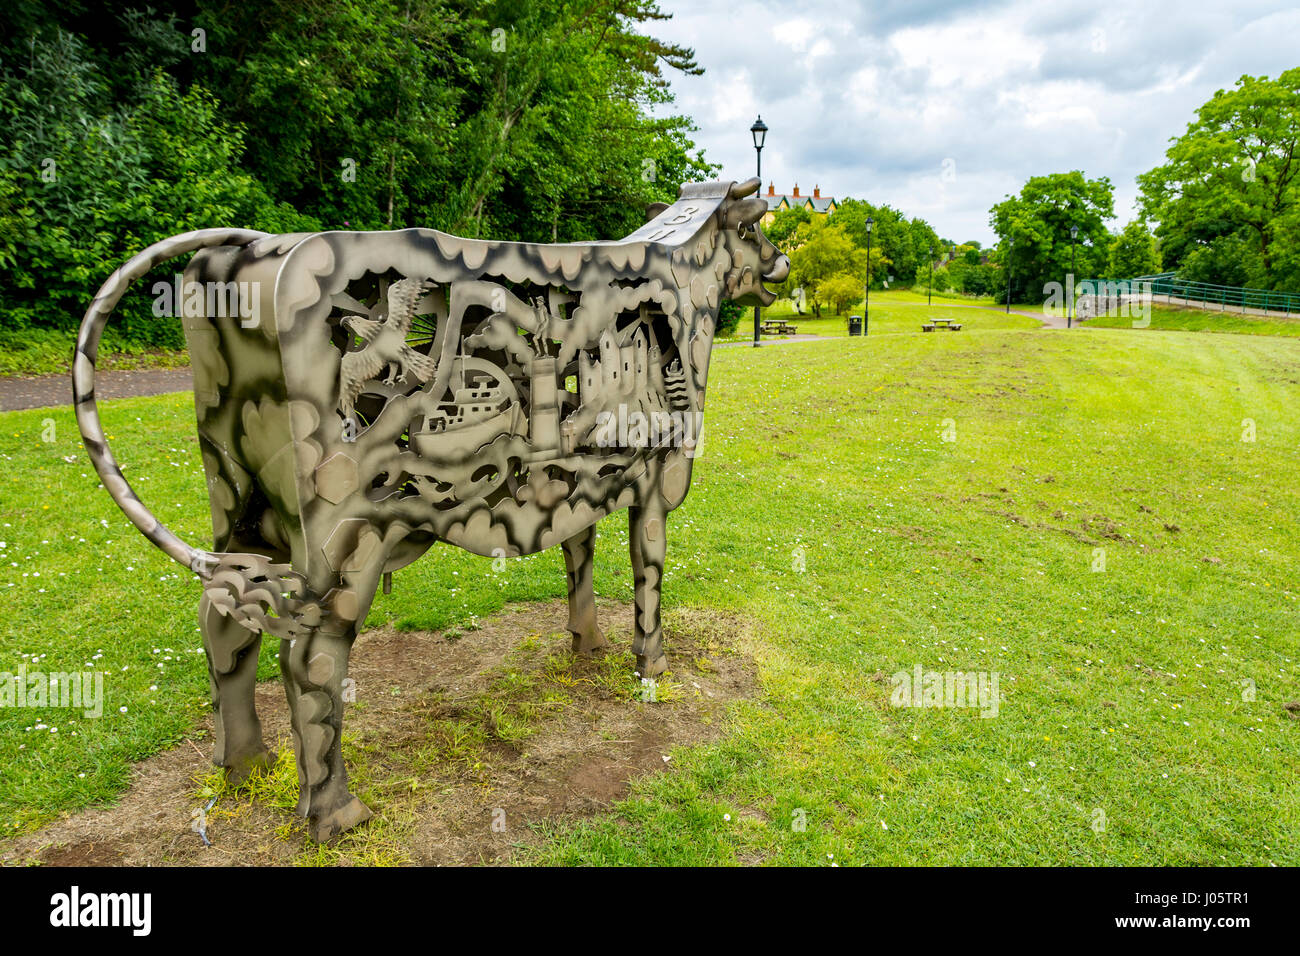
{"x": 49, "y": 391}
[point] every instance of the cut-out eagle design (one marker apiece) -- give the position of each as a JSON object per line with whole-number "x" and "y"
{"x": 385, "y": 339}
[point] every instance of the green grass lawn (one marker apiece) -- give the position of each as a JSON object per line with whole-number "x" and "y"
{"x": 1126, "y": 691}
{"x": 893, "y": 311}
{"x": 1165, "y": 318}
{"x": 911, "y": 295}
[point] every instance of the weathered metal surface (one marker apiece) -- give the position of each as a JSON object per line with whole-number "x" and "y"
{"x": 401, "y": 388}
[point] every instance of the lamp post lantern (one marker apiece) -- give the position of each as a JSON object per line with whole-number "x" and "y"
{"x": 930, "y": 287}
{"x": 1010, "y": 253}
{"x": 759, "y": 132}
{"x": 866, "y": 300}
{"x": 1069, "y": 308}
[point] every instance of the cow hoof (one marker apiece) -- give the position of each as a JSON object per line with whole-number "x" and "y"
{"x": 241, "y": 768}
{"x": 589, "y": 642}
{"x": 330, "y": 825}
{"x": 648, "y": 668}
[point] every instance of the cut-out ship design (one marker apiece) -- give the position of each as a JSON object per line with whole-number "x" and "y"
{"x": 479, "y": 413}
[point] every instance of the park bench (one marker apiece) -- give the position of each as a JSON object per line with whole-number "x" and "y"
{"x": 779, "y": 327}
{"x": 941, "y": 323}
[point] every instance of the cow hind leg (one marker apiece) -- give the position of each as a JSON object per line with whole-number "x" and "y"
{"x": 232, "y": 651}
{"x": 648, "y": 546}
{"x": 314, "y": 668}
{"x": 579, "y": 564}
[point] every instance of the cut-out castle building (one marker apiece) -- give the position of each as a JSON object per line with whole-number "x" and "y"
{"x": 630, "y": 375}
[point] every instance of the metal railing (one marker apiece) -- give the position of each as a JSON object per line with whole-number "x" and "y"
{"x": 1226, "y": 297}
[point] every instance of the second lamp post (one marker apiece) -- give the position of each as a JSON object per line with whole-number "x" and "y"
{"x": 759, "y": 132}
{"x": 930, "y": 288}
{"x": 1069, "y": 307}
{"x": 866, "y": 299}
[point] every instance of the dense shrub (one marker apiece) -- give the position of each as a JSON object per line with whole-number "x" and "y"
{"x": 729, "y": 317}
{"x": 85, "y": 185}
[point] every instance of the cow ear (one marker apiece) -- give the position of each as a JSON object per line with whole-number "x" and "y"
{"x": 654, "y": 209}
{"x": 748, "y": 211}
{"x": 741, "y": 190}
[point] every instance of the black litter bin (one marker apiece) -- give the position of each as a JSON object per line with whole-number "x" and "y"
{"x": 855, "y": 325}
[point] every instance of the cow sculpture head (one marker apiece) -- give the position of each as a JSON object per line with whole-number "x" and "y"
{"x": 736, "y": 218}
{"x": 754, "y": 260}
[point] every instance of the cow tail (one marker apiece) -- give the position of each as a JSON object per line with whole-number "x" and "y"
{"x": 83, "y": 386}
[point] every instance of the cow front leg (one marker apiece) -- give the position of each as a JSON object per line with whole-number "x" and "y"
{"x": 648, "y": 546}
{"x": 314, "y": 667}
{"x": 580, "y": 565}
{"x": 232, "y": 651}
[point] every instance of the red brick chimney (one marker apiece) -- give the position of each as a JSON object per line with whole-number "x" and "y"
{"x": 771, "y": 189}
{"x": 796, "y": 190}
{"x": 817, "y": 192}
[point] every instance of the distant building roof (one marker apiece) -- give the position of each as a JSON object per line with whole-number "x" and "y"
{"x": 815, "y": 203}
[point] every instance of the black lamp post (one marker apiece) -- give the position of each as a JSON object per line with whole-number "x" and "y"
{"x": 1069, "y": 308}
{"x": 1010, "y": 253}
{"x": 759, "y": 132}
{"x": 930, "y": 288}
{"x": 866, "y": 301}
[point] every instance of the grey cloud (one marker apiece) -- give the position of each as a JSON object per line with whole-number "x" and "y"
{"x": 1002, "y": 124}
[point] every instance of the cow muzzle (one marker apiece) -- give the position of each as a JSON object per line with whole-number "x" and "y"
{"x": 780, "y": 269}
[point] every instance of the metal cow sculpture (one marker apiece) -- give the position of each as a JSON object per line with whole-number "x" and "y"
{"x": 366, "y": 394}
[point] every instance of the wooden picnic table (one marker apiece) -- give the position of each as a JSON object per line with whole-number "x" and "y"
{"x": 779, "y": 327}
{"x": 941, "y": 323}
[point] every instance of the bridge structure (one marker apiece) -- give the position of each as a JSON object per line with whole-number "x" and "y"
{"x": 1168, "y": 289}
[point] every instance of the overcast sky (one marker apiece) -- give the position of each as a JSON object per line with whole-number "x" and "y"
{"x": 941, "y": 109}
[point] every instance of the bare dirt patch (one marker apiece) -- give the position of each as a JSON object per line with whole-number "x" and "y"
{"x": 460, "y": 742}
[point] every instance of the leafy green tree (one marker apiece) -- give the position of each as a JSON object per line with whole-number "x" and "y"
{"x": 1225, "y": 260}
{"x": 537, "y": 120}
{"x": 822, "y": 249}
{"x": 892, "y": 235}
{"x": 85, "y": 184}
{"x": 839, "y": 291}
{"x": 1133, "y": 252}
{"x": 978, "y": 279}
{"x": 1235, "y": 172}
{"x": 1039, "y": 221}
{"x": 783, "y": 225}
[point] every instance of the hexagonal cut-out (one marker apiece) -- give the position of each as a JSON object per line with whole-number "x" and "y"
{"x": 345, "y": 604}
{"x": 366, "y": 553}
{"x": 336, "y": 478}
{"x": 320, "y": 669}
{"x": 342, "y": 541}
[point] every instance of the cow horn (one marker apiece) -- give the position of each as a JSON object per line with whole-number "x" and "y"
{"x": 741, "y": 190}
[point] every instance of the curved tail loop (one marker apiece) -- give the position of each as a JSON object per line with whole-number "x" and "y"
{"x": 258, "y": 593}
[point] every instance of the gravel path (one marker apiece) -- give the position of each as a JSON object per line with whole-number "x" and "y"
{"x": 49, "y": 391}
